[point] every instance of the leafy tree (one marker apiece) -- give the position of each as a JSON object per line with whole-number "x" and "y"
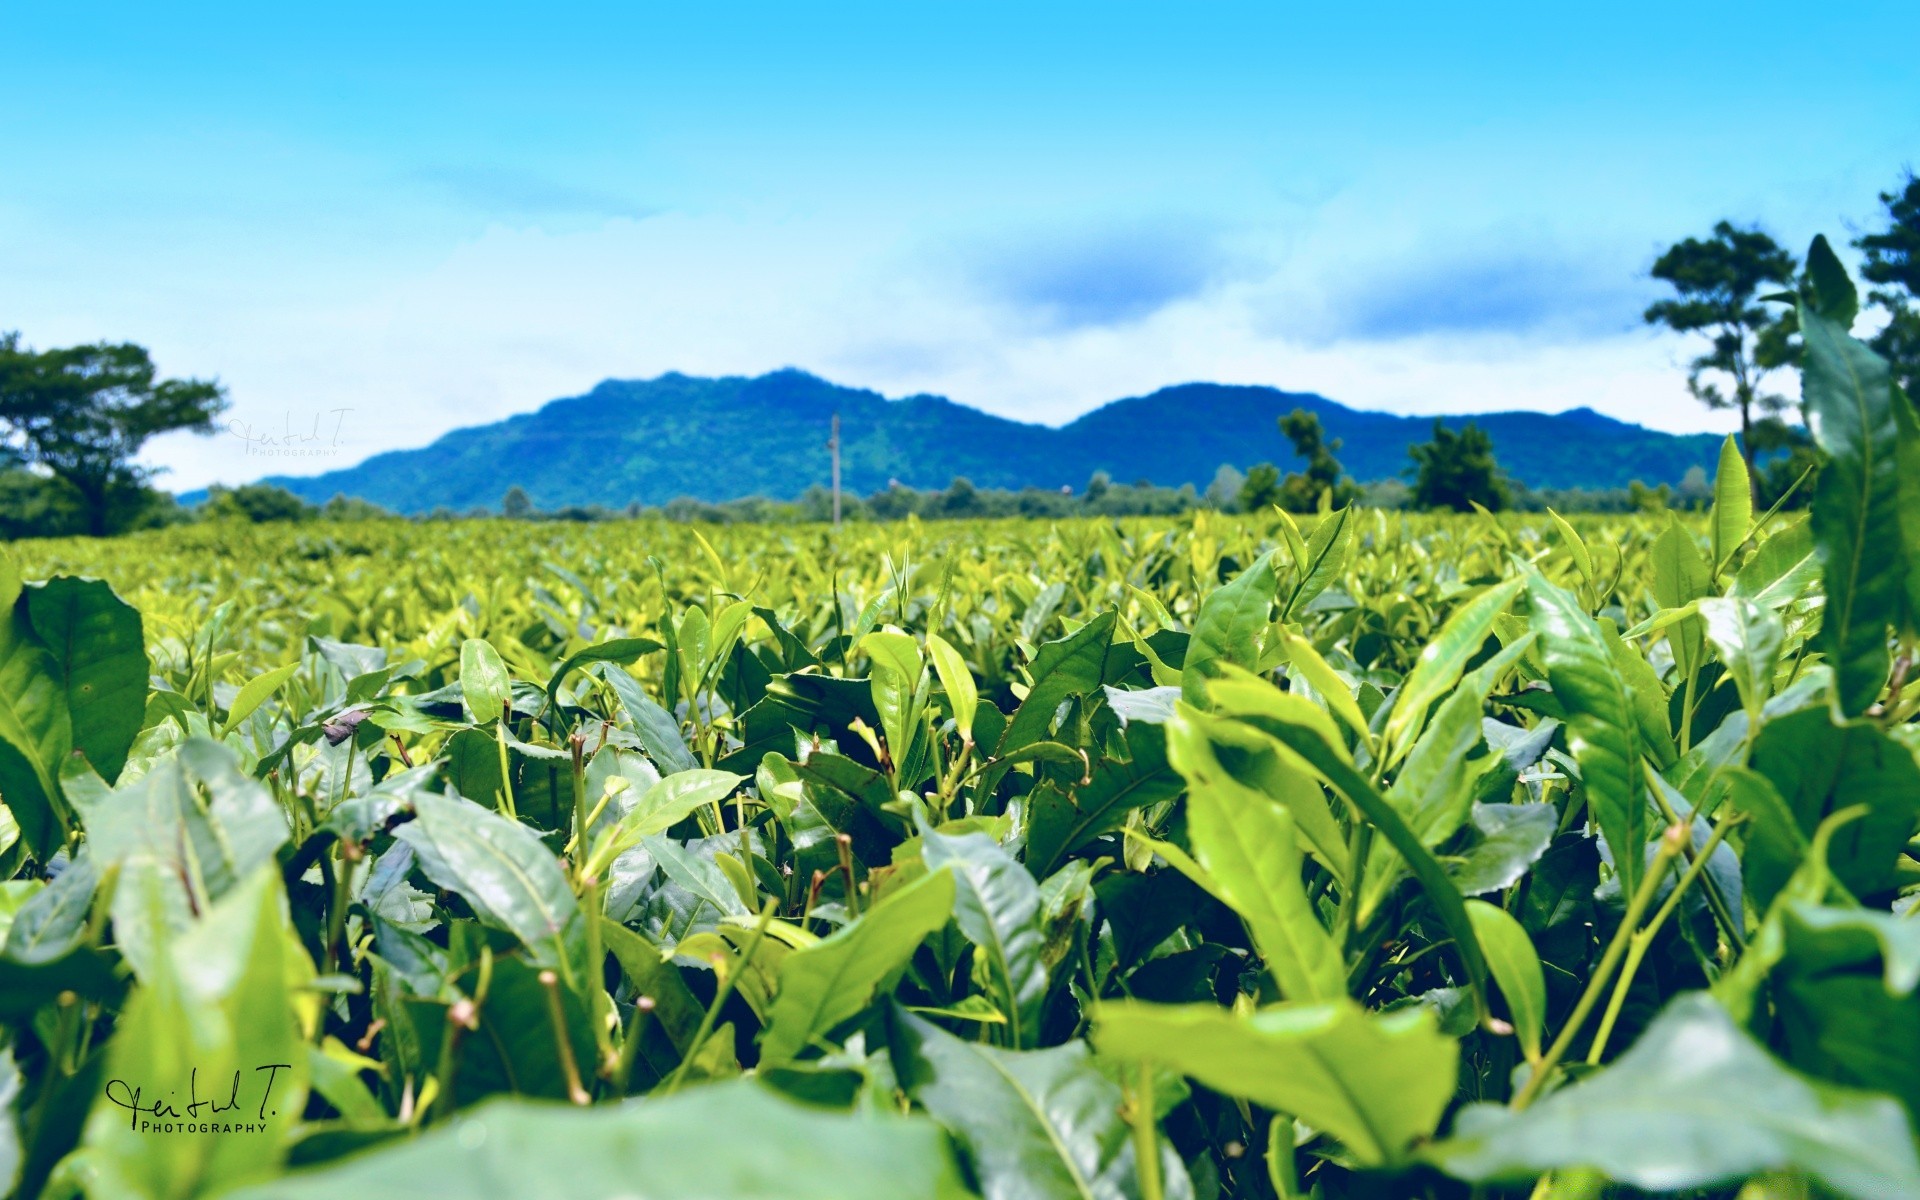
{"x": 351, "y": 508}
{"x": 82, "y": 414}
{"x": 1891, "y": 261}
{"x": 1261, "y": 487}
{"x": 1457, "y": 470}
{"x": 961, "y": 499}
{"x": 255, "y": 502}
{"x": 1301, "y": 492}
{"x": 516, "y": 505}
{"x": 1097, "y": 486}
{"x": 1719, "y": 280}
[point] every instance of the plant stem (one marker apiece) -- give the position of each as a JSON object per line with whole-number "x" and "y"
{"x": 1616, "y": 949}
{"x": 557, "y": 1018}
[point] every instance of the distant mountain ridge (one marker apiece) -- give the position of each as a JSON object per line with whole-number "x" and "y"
{"x": 650, "y": 441}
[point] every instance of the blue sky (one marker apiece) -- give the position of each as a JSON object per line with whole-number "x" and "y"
{"x": 435, "y": 215}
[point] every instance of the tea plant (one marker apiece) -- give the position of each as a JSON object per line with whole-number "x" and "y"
{"x": 1207, "y": 857}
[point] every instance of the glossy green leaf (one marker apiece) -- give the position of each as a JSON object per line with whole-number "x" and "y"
{"x": 1064, "y": 821}
{"x": 615, "y": 650}
{"x": 1781, "y": 568}
{"x": 838, "y": 977}
{"x": 506, "y": 874}
{"x": 215, "y": 1021}
{"x": 1073, "y": 666}
{"x": 1748, "y": 639}
{"x": 667, "y": 1148}
{"x": 1327, "y": 548}
{"x": 1695, "y": 1103}
{"x": 1732, "y": 502}
{"x": 1233, "y": 618}
{"x": 484, "y": 681}
{"x": 1034, "y": 1125}
{"x": 667, "y": 802}
{"x": 1245, "y": 842}
{"x": 1378, "y": 1082}
{"x": 1441, "y": 663}
{"x": 99, "y": 644}
{"x": 254, "y": 693}
{"x": 963, "y": 697}
{"x": 997, "y": 905}
{"x": 1516, "y": 968}
{"x": 1849, "y": 396}
{"x": 1601, "y": 726}
{"x": 35, "y": 730}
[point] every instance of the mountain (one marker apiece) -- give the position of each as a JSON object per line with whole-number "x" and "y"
{"x": 718, "y": 439}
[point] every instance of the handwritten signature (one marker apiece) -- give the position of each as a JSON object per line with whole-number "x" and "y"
{"x": 314, "y": 439}
{"x": 126, "y": 1096}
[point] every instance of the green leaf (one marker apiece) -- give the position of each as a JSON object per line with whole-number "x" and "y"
{"x": 657, "y": 729}
{"x": 1829, "y": 290}
{"x": 1747, "y": 638}
{"x": 1695, "y": 1104}
{"x": 506, "y": 874}
{"x": 1732, "y": 502}
{"x": 1326, "y": 557}
{"x": 838, "y": 977}
{"x": 1516, "y": 968}
{"x": 1377, "y": 1081}
{"x": 1819, "y": 767}
{"x": 1034, "y": 1125}
{"x": 1576, "y": 546}
{"x": 97, "y": 640}
{"x": 1680, "y": 577}
{"x": 1849, "y": 396}
{"x": 1327, "y": 684}
{"x": 1073, "y": 666}
{"x": 1780, "y": 568}
{"x": 215, "y": 1012}
{"x": 1246, "y": 844}
{"x": 1062, "y": 822}
{"x": 997, "y": 905}
{"x": 1302, "y": 728}
{"x": 484, "y": 680}
{"x": 963, "y": 698}
{"x": 35, "y": 730}
{"x": 254, "y": 694}
{"x": 664, "y": 1148}
{"x": 615, "y": 650}
{"x": 1601, "y": 725}
{"x": 663, "y": 805}
{"x": 192, "y": 827}
{"x": 1441, "y": 663}
{"x": 1232, "y": 620}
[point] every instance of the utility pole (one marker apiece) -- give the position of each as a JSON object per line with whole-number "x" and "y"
{"x": 833, "y": 444}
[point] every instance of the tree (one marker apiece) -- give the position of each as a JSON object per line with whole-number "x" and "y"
{"x": 1261, "y": 487}
{"x": 1301, "y": 492}
{"x": 84, "y": 412}
{"x": 516, "y": 505}
{"x": 1224, "y": 492}
{"x": 1718, "y": 280}
{"x": 1457, "y": 471}
{"x": 1890, "y": 260}
{"x": 255, "y": 502}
